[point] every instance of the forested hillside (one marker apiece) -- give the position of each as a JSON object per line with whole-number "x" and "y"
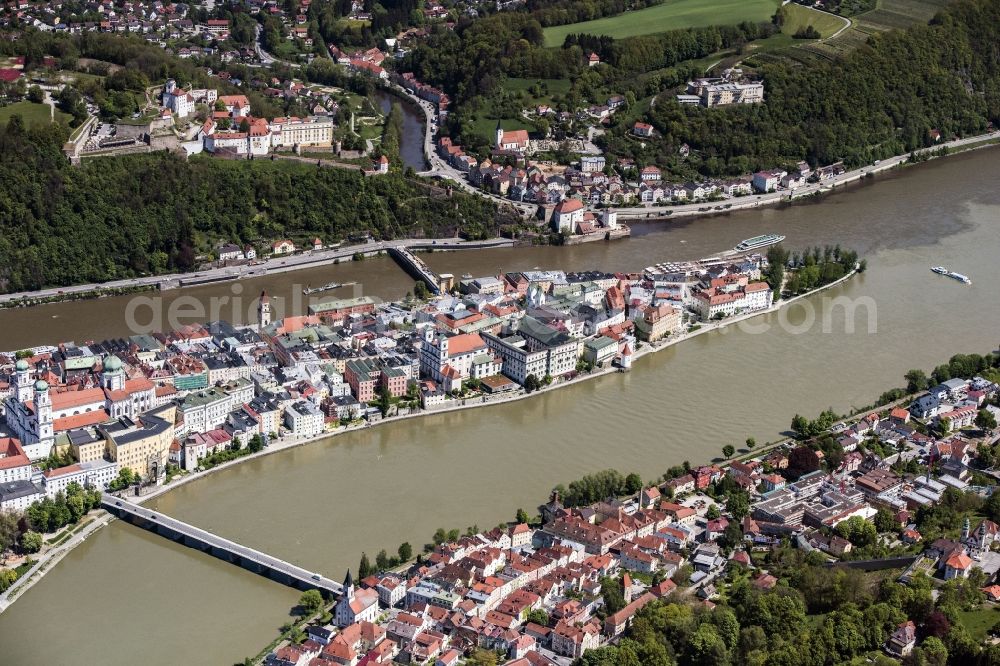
{"x": 882, "y": 100}
{"x": 122, "y": 217}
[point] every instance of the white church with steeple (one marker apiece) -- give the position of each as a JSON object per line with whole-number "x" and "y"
{"x": 355, "y": 605}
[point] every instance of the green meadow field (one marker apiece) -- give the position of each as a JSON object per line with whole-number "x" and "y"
{"x": 671, "y": 15}
{"x": 31, "y": 113}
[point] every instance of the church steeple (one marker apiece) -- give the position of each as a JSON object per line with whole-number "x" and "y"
{"x": 349, "y": 585}
{"x": 43, "y": 412}
{"x": 499, "y": 135}
{"x": 22, "y": 371}
{"x": 264, "y": 311}
{"x": 113, "y": 376}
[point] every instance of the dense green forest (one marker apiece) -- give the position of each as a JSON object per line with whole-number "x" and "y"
{"x": 562, "y": 12}
{"x": 477, "y": 56}
{"x": 120, "y": 217}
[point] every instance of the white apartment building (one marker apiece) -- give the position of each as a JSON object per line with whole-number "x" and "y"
{"x": 204, "y": 410}
{"x": 304, "y": 418}
{"x": 719, "y": 92}
{"x": 96, "y": 474}
{"x": 19, "y": 495}
{"x": 518, "y": 361}
{"x": 311, "y": 131}
{"x": 14, "y": 462}
{"x": 713, "y": 303}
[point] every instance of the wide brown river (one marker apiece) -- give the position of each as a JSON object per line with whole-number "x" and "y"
{"x": 126, "y": 596}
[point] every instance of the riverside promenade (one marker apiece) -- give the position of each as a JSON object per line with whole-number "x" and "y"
{"x": 308, "y": 259}
{"x": 653, "y": 212}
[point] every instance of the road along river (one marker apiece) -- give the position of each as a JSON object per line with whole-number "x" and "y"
{"x": 136, "y": 596}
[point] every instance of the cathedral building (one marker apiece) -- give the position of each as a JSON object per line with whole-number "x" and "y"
{"x": 37, "y": 413}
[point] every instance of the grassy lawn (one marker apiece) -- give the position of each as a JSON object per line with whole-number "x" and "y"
{"x": 978, "y": 622}
{"x": 31, "y": 113}
{"x": 137, "y": 122}
{"x": 671, "y": 15}
{"x": 799, "y": 17}
{"x": 775, "y": 42}
{"x": 487, "y": 127}
{"x": 77, "y": 77}
{"x": 637, "y": 110}
{"x": 549, "y": 88}
{"x": 972, "y": 146}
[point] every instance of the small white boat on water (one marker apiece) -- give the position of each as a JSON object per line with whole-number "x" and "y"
{"x": 941, "y": 270}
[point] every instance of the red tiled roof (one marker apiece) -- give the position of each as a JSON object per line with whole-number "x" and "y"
{"x": 514, "y": 136}
{"x": 62, "y": 471}
{"x": 14, "y": 455}
{"x": 959, "y": 561}
{"x": 569, "y": 206}
{"x": 69, "y": 398}
{"x": 464, "y": 343}
{"x": 80, "y": 420}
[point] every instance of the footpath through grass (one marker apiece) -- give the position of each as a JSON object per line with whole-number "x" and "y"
{"x": 32, "y": 114}
{"x": 671, "y": 15}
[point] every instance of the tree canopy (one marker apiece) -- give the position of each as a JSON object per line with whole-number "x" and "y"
{"x": 116, "y": 218}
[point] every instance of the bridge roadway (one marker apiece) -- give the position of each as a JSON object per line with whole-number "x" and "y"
{"x": 416, "y": 267}
{"x": 253, "y": 560}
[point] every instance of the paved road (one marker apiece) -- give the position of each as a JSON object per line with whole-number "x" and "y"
{"x": 659, "y": 211}
{"x": 50, "y": 558}
{"x": 847, "y": 24}
{"x": 275, "y": 265}
{"x": 309, "y": 578}
{"x": 258, "y": 45}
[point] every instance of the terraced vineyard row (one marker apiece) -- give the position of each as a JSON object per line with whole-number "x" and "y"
{"x": 888, "y": 15}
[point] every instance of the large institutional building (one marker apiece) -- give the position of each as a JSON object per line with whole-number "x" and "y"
{"x": 225, "y": 131}
{"x": 720, "y": 92}
{"x": 36, "y": 412}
